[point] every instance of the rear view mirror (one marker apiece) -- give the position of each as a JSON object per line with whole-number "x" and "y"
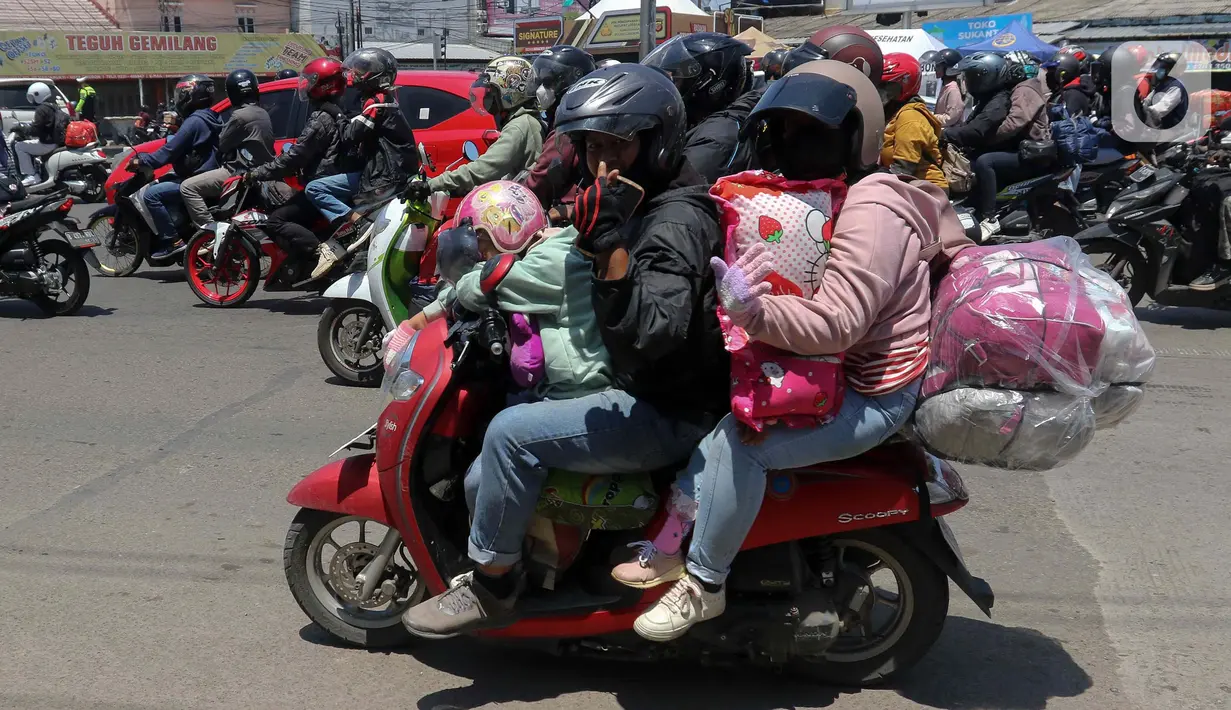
{"x": 425, "y": 159}
{"x": 470, "y": 150}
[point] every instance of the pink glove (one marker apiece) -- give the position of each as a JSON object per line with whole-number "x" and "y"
{"x": 742, "y": 284}
{"x": 395, "y": 340}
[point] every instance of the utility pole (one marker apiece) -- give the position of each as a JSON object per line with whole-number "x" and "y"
{"x": 358, "y": 23}
{"x": 649, "y": 17}
{"x": 351, "y": 21}
{"x": 341, "y": 35}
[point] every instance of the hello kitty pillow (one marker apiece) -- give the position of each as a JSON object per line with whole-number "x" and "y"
{"x": 794, "y": 220}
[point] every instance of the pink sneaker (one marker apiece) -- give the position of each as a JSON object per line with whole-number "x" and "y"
{"x": 649, "y": 568}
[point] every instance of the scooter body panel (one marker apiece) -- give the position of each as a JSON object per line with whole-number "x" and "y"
{"x": 349, "y": 486}
{"x": 353, "y": 286}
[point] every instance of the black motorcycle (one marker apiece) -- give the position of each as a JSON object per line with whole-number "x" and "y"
{"x": 1036, "y": 208}
{"x": 42, "y": 253}
{"x": 1147, "y": 242}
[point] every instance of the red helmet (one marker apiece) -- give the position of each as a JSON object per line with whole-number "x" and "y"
{"x": 901, "y": 77}
{"x": 322, "y": 79}
{"x": 851, "y": 45}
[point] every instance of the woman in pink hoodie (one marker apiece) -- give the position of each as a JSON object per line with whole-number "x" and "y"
{"x": 824, "y": 120}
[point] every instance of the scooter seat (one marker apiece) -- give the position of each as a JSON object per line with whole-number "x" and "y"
{"x": 36, "y": 201}
{"x": 1106, "y": 156}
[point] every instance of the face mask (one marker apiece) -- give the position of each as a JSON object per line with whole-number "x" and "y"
{"x": 546, "y": 98}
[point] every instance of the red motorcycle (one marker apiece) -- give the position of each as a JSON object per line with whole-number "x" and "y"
{"x": 842, "y": 578}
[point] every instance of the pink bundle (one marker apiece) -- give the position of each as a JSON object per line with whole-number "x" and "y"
{"x": 794, "y": 220}
{"x": 1033, "y": 316}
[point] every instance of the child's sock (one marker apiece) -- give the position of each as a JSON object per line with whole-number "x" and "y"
{"x": 681, "y": 512}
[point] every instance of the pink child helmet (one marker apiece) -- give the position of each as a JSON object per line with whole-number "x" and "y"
{"x": 508, "y": 213}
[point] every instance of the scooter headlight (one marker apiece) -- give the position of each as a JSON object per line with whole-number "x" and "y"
{"x": 400, "y": 382}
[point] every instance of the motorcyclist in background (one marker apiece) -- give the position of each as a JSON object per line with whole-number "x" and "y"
{"x": 553, "y": 177}
{"x": 321, "y": 86}
{"x": 247, "y": 140}
{"x": 289, "y": 73}
{"x": 772, "y": 63}
{"x": 987, "y": 78}
{"x": 709, "y": 70}
{"x": 912, "y": 134}
{"x": 376, "y": 155}
{"x": 951, "y": 101}
{"x": 190, "y": 152}
{"x": 1071, "y": 87}
{"x": 47, "y": 131}
{"x": 504, "y": 91}
{"x": 1163, "y": 98}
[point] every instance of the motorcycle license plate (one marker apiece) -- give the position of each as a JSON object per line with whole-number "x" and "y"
{"x": 83, "y": 239}
{"x": 365, "y": 441}
{"x": 1142, "y": 173}
{"x": 947, "y": 533}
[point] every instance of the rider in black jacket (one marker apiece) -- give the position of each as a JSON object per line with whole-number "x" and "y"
{"x": 321, "y": 85}
{"x": 710, "y": 71}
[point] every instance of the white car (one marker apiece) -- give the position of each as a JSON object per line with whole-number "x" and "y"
{"x": 15, "y": 109}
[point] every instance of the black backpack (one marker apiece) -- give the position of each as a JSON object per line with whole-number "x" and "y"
{"x": 61, "y": 126}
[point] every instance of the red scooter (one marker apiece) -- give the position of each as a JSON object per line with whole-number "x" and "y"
{"x": 842, "y": 578}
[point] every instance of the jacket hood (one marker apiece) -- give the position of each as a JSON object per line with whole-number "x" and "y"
{"x": 213, "y": 120}
{"x": 1083, "y": 84}
{"x": 1036, "y": 86}
{"x": 923, "y": 206}
{"x": 917, "y": 105}
{"x": 742, "y": 106}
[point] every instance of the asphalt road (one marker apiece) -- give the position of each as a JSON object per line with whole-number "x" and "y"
{"x": 147, "y": 446}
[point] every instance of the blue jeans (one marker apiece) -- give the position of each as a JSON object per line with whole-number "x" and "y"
{"x": 160, "y": 199}
{"x": 607, "y": 432}
{"x": 331, "y": 194}
{"x": 728, "y": 478}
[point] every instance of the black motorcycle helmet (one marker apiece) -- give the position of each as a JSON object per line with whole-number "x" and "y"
{"x": 772, "y": 64}
{"x": 1164, "y": 65}
{"x": 707, "y": 67}
{"x": 555, "y": 70}
{"x": 288, "y": 74}
{"x": 804, "y": 53}
{"x": 946, "y": 61}
{"x": 1100, "y": 67}
{"x": 624, "y": 100}
{"x": 985, "y": 72}
{"x": 371, "y": 70}
{"x": 242, "y": 88}
{"x": 193, "y": 92}
{"x": 1061, "y": 69}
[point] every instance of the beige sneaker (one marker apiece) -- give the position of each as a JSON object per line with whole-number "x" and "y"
{"x": 330, "y": 253}
{"x": 684, "y": 605}
{"x": 649, "y": 568}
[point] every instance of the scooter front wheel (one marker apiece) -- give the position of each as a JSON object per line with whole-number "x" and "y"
{"x": 349, "y": 339}
{"x": 323, "y": 554}
{"x": 123, "y": 247}
{"x": 228, "y": 281}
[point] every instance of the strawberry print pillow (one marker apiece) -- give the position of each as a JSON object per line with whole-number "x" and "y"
{"x": 794, "y": 220}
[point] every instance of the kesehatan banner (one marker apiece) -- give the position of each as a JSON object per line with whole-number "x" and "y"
{"x": 133, "y": 55}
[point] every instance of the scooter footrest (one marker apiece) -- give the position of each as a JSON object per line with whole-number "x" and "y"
{"x": 563, "y": 600}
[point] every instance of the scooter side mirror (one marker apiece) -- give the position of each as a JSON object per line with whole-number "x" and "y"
{"x": 470, "y": 150}
{"x": 425, "y": 159}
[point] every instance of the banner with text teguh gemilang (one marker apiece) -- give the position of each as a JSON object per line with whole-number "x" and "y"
{"x": 134, "y": 55}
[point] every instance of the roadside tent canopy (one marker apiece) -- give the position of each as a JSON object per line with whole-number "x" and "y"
{"x": 912, "y": 42}
{"x": 1013, "y": 38}
{"x": 677, "y": 7}
{"x": 760, "y": 42}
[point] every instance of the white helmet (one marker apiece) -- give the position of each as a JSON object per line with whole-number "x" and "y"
{"x": 38, "y": 93}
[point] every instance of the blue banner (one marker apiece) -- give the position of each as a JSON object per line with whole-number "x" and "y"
{"x": 959, "y": 33}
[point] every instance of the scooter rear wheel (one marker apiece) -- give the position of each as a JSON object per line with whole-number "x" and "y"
{"x": 919, "y": 607}
{"x": 230, "y": 282}
{"x": 1123, "y": 263}
{"x": 314, "y": 581}
{"x": 61, "y": 257}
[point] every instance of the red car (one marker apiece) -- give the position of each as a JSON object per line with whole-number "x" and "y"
{"x": 436, "y": 104}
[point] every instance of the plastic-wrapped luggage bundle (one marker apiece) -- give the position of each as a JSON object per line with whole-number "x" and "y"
{"x": 1033, "y": 349}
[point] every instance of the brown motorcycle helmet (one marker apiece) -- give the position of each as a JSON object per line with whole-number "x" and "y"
{"x": 851, "y": 45}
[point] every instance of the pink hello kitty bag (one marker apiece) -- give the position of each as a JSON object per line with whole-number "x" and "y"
{"x": 794, "y": 220}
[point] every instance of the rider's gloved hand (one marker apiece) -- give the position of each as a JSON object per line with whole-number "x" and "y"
{"x": 602, "y": 209}
{"x": 742, "y": 284}
{"x": 419, "y": 189}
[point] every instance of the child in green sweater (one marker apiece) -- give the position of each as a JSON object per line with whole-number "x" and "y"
{"x": 549, "y": 286}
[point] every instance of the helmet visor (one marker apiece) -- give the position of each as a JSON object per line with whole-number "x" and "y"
{"x": 821, "y": 98}
{"x": 623, "y": 127}
{"x": 549, "y": 80}
{"x": 306, "y": 84}
{"x": 674, "y": 59}
{"x": 457, "y": 251}
{"x": 485, "y": 96}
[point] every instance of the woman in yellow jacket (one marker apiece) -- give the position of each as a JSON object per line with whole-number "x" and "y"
{"x": 912, "y": 132}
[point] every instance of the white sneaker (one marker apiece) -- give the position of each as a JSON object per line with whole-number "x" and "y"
{"x": 29, "y": 181}
{"x": 330, "y": 253}
{"x": 685, "y": 604}
{"x": 989, "y": 228}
